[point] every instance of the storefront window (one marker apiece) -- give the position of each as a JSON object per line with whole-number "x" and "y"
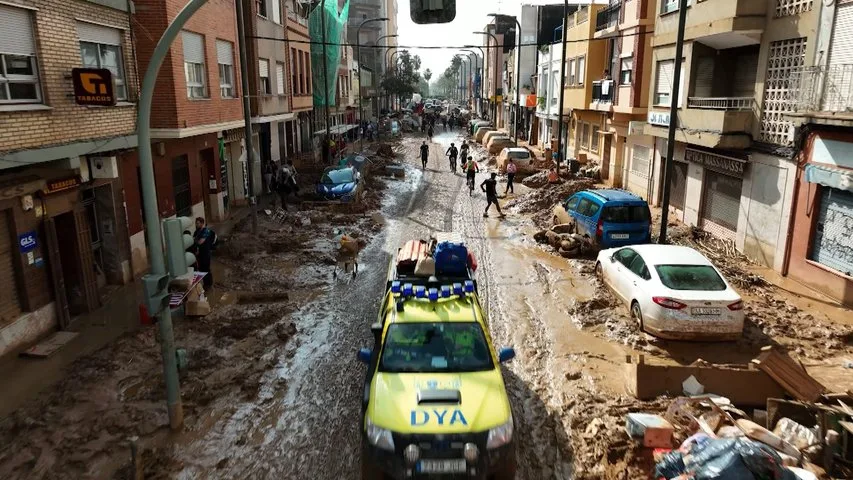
{"x": 832, "y": 245}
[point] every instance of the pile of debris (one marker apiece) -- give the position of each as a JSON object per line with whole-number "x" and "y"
{"x": 707, "y": 433}
{"x": 541, "y": 201}
{"x": 563, "y": 239}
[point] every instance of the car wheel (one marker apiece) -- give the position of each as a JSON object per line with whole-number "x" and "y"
{"x": 637, "y": 314}
{"x": 556, "y": 220}
{"x": 368, "y": 470}
{"x": 598, "y": 273}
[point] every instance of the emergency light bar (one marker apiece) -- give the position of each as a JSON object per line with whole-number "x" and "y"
{"x": 395, "y": 286}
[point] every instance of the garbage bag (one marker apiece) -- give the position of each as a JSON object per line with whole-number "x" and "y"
{"x": 724, "y": 459}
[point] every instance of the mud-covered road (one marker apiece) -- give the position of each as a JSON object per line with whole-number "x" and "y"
{"x": 306, "y": 423}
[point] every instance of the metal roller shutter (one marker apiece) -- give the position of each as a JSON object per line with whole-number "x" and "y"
{"x": 89, "y": 32}
{"x": 678, "y": 191}
{"x": 832, "y": 245}
{"x": 10, "y": 304}
{"x": 745, "y": 72}
{"x": 279, "y": 78}
{"x": 721, "y": 204}
{"x": 193, "y": 47}
{"x": 841, "y": 50}
{"x": 704, "y": 78}
{"x": 17, "y": 27}
{"x": 224, "y": 52}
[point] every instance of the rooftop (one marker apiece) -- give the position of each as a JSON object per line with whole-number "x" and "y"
{"x": 614, "y": 195}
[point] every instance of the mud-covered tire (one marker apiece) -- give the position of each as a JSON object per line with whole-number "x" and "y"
{"x": 368, "y": 471}
{"x": 637, "y": 314}
{"x": 598, "y": 273}
{"x": 555, "y": 220}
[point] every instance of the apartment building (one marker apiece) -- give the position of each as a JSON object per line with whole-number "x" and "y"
{"x": 196, "y": 123}
{"x": 548, "y": 93}
{"x": 623, "y": 28}
{"x": 267, "y": 60}
{"x": 493, "y": 43}
{"x": 732, "y": 173}
{"x": 820, "y": 251}
{"x": 585, "y": 62}
{"x": 298, "y": 131}
{"x": 63, "y": 234}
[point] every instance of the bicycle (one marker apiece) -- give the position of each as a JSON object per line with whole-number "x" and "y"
{"x": 453, "y": 164}
{"x": 470, "y": 181}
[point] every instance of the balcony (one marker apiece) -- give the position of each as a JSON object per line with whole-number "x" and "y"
{"x": 721, "y": 103}
{"x": 823, "y": 92}
{"x": 607, "y": 20}
{"x": 602, "y": 91}
{"x": 716, "y": 23}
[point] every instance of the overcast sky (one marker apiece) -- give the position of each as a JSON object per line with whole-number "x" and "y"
{"x": 471, "y": 15}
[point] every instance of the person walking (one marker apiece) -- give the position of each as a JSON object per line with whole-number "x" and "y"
{"x": 490, "y": 187}
{"x": 269, "y": 171}
{"x": 283, "y": 184}
{"x": 424, "y": 154}
{"x": 511, "y": 169}
{"x": 203, "y": 239}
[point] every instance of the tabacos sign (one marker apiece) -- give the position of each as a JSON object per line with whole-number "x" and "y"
{"x": 440, "y": 417}
{"x": 93, "y": 86}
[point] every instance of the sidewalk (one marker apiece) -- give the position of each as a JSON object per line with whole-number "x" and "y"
{"x": 25, "y": 377}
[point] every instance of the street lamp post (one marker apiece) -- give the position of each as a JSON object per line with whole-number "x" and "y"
{"x": 360, "y": 66}
{"x": 376, "y": 45}
{"x": 495, "y": 76}
{"x": 482, "y": 73}
{"x": 474, "y": 76}
{"x": 517, "y": 73}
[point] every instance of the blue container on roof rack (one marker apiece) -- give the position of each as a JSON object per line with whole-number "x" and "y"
{"x": 407, "y": 289}
{"x": 420, "y": 291}
{"x": 395, "y": 286}
{"x": 457, "y": 289}
{"x": 469, "y": 286}
{"x": 445, "y": 291}
{"x": 433, "y": 294}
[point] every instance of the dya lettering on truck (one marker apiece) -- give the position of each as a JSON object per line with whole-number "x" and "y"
{"x": 419, "y": 418}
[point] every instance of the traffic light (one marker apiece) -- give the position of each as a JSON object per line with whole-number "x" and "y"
{"x": 156, "y": 290}
{"x": 178, "y": 258}
{"x": 432, "y": 11}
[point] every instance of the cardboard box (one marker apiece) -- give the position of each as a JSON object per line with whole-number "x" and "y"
{"x": 655, "y": 431}
{"x": 196, "y": 308}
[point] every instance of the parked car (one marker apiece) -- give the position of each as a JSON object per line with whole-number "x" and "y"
{"x": 609, "y": 218}
{"x": 339, "y": 183}
{"x": 481, "y": 132}
{"x": 498, "y": 143}
{"x": 672, "y": 292}
{"x": 521, "y": 156}
{"x": 494, "y": 133}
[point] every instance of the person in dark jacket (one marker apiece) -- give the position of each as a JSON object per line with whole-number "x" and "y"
{"x": 203, "y": 240}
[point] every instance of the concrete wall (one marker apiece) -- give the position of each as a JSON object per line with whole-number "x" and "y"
{"x": 27, "y": 328}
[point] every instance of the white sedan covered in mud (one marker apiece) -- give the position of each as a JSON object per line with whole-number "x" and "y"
{"x": 673, "y": 292}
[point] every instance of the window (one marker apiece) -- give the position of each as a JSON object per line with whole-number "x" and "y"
{"x": 626, "y": 70}
{"x": 638, "y": 266}
{"x": 640, "y": 160}
{"x": 225, "y": 59}
{"x": 302, "y": 88}
{"x": 264, "y": 77}
{"x": 19, "y": 81}
{"x": 571, "y": 71}
{"x": 663, "y": 85}
{"x": 595, "y": 138}
{"x": 262, "y": 7}
{"x": 276, "y": 11}
{"x": 831, "y": 245}
{"x": 194, "y": 65}
{"x": 308, "y": 74}
{"x": 626, "y": 214}
{"x": 581, "y": 70}
{"x": 294, "y": 85}
{"x": 100, "y": 47}
{"x": 585, "y": 136}
{"x": 588, "y": 208}
{"x": 690, "y": 277}
{"x": 670, "y": 5}
{"x": 279, "y": 79}
{"x": 572, "y": 204}
{"x": 625, "y": 256}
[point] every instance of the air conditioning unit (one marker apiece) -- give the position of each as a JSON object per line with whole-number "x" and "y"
{"x": 103, "y": 167}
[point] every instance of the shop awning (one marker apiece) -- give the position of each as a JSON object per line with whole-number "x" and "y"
{"x": 829, "y": 176}
{"x": 337, "y": 129}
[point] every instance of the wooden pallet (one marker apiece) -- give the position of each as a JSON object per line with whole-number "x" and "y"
{"x": 790, "y": 375}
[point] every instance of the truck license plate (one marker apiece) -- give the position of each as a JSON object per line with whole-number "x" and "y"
{"x": 619, "y": 236}
{"x": 704, "y": 311}
{"x": 441, "y": 466}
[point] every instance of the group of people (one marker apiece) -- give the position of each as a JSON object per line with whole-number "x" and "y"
{"x": 281, "y": 180}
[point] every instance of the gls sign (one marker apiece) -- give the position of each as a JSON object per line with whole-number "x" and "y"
{"x": 419, "y": 418}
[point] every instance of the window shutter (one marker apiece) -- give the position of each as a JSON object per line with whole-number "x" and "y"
{"x": 704, "y": 77}
{"x": 17, "y": 27}
{"x": 263, "y": 68}
{"x": 745, "y": 72}
{"x": 224, "y": 52}
{"x": 664, "y": 76}
{"x": 276, "y": 11}
{"x": 89, "y": 32}
{"x": 193, "y": 47}
{"x": 279, "y": 78}
{"x": 841, "y": 50}
{"x": 581, "y": 70}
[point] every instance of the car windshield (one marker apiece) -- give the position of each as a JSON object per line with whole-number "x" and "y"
{"x": 690, "y": 277}
{"x": 519, "y": 155}
{"x": 626, "y": 214}
{"x": 435, "y": 347}
{"x": 343, "y": 175}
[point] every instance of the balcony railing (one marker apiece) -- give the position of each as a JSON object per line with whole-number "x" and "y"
{"x": 721, "y": 103}
{"x": 602, "y": 91}
{"x": 823, "y": 89}
{"x": 609, "y": 17}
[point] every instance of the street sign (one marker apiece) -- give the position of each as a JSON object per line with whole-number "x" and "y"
{"x": 93, "y": 87}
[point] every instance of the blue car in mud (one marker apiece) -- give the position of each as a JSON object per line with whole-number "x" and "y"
{"x": 339, "y": 183}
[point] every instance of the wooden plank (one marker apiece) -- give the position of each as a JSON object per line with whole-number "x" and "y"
{"x": 48, "y": 346}
{"x": 790, "y": 375}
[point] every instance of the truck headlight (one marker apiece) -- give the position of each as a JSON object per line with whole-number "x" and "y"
{"x": 380, "y": 437}
{"x": 500, "y": 435}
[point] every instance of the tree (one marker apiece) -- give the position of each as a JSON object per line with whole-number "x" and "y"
{"x": 427, "y": 74}
{"x": 404, "y": 80}
{"x": 444, "y": 85}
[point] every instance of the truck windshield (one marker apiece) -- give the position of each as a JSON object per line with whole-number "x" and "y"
{"x": 435, "y": 347}
{"x": 626, "y": 214}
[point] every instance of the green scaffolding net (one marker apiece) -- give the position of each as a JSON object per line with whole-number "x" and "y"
{"x": 331, "y": 35}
